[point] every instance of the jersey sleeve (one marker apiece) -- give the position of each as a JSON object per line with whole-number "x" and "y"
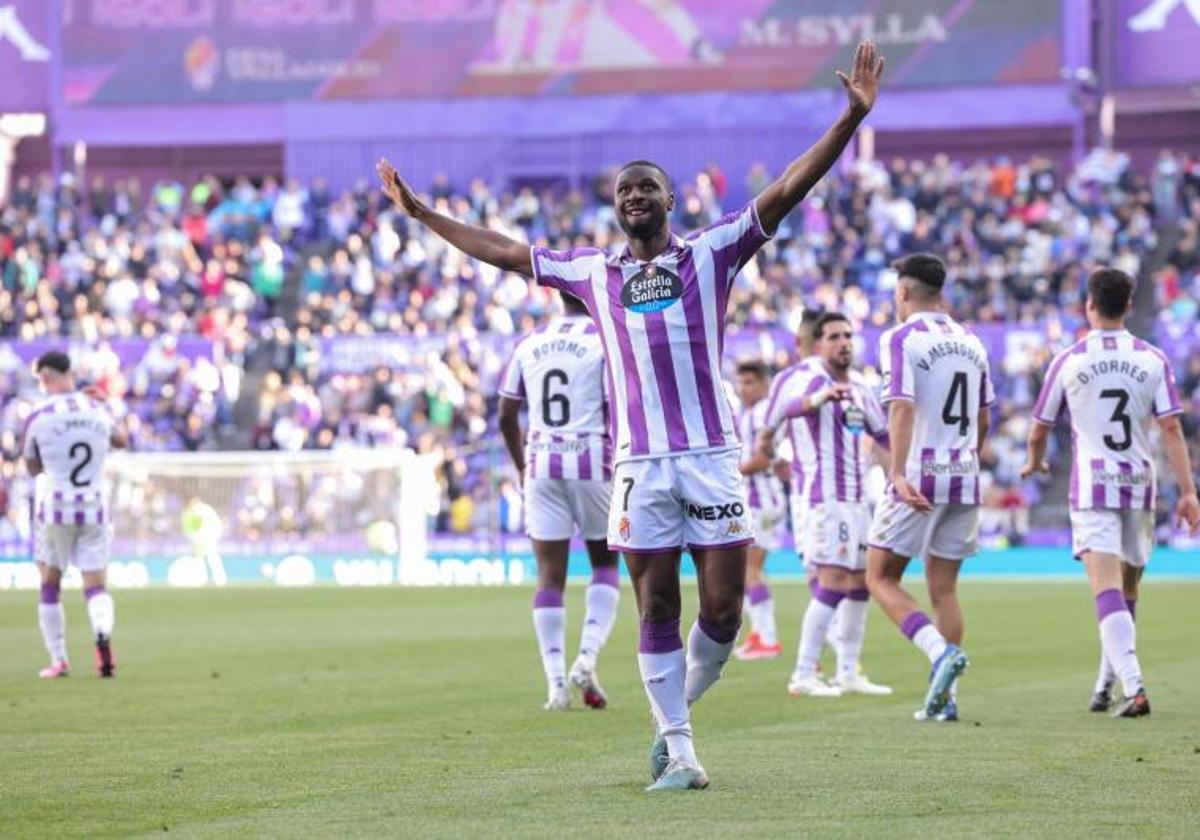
{"x": 29, "y": 447}
{"x": 896, "y": 368}
{"x": 777, "y": 400}
{"x": 1051, "y": 399}
{"x": 987, "y": 388}
{"x": 566, "y": 271}
{"x": 512, "y": 382}
{"x": 734, "y": 240}
{"x": 1166, "y": 395}
{"x": 876, "y": 420}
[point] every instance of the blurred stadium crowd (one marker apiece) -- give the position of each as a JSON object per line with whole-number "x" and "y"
{"x": 340, "y": 323}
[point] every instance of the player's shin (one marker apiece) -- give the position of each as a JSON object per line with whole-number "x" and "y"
{"x": 549, "y": 622}
{"x": 101, "y": 611}
{"x": 761, "y": 608}
{"x": 1118, "y": 637}
{"x": 53, "y": 622}
{"x": 817, "y": 618}
{"x": 852, "y": 616}
{"x": 709, "y": 646}
{"x": 663, "y": 666}
{"x": 603, "y": 596}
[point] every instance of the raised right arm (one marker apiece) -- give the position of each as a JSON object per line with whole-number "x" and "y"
{"x": 485, "y": 245}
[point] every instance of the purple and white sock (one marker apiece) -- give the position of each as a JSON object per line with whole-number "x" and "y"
{"x": 708, "y": 651}
{"x": 852, "y": 616}
{"x": 550, "y": 623}
{"x": 603, "y": 596}
{"x": 1118, "y": 638}
{"x": 761, "y": 608}
{"x": 1107, "y": 675}
{"x": 814, "y": 629}
{"x": 101, "y": 610}
{"x": 921, "y": 632}
{"x": 663, "y": 666}
{"x": 53, "y": 622}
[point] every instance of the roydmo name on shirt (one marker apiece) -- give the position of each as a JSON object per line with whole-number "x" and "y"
{"x": 651, "y": 290}
{"x": 562, "y": 345}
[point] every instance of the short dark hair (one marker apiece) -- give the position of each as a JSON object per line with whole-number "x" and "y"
{"x": 649, "y": 163}
{"x": 924, "y": 268}
{"x": 808, "y": 324}
{"x": 1111, "y": 289}
{"x": 827, "y": 318}
{"x": 573, "y": 305}
{"x": 55, "y": 360}
{"x": 755, "y": 367}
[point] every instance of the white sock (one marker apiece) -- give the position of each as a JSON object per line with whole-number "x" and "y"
{"x": 550, "y": 623}
{"x": 664, "y": 673}
{"x": 101, "y": 611}
{"x": 53, "y": 622}
{"x": 705, "y": 658}
{"x": 1106, "y": 676}
{"x": 1118, "y": 637}
{"x": 598, "y": 620}
{"x": 761, "y": 608}
{"x": 921, "y": 632}
{"x": 852, "y": 617}
{"x": 833, "y": 635}
{"x": 814, "y": 630}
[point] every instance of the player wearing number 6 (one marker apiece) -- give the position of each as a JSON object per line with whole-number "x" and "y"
{"x": 1111, "y": 384}
{"x": 937, "y": 388}
{"x": 565, "y": 463}
{"x": 68, "y": 438}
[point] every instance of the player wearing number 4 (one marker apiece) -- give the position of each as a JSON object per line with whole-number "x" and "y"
{"x": 565, "y": 464}
{"x": 937, "y": 387}
{"x": 660, "y": 305}
{"x": 1111, "y": 384}
{"x": 68, "y": 438}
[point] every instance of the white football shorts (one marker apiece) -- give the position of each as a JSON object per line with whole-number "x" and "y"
{"x": 554, "y": 507}
{"x": 693, "y": 500}
{"x": 87, "y": 547}
{"x": 949, "y": 531}
{"x": 1128, "y": 534}
{"x": 835, "y": 534}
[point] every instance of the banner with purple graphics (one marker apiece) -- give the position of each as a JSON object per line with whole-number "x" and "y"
{"x": 141, "y": 51}
{"x": 122, "y": 353}
{"x": 24, "y": 56}
{"x": 1157, "y": 42}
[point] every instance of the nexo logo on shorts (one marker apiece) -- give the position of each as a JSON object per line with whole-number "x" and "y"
{"x": 652, "y": 289}
{"x": 711, "y": 513}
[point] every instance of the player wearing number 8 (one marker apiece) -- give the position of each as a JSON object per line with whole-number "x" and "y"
{"x": 565, "y": 462}
{"x": 1112, "y": 384}
{"x": 937, "y": 387}
{"x": 68, "y": 438}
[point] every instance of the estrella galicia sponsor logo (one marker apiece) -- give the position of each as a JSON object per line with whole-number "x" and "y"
{"x": 854, "y": 419}
{"x": 713, "y": 513}
{"x": 652, "y": 289}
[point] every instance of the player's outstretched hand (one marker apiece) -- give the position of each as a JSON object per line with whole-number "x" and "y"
{"x": 1187, "y": 511}
{"x": 862, "y": 85}
{"x": 1029, "y": 468}
{"x": 910, "y": 495}
{"x": 395, "y": 188}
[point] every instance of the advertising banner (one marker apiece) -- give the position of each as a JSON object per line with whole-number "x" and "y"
{"x": 24, "y": 56}
{"x": 143, "y": 51}
{"x": 1157, "y": 42}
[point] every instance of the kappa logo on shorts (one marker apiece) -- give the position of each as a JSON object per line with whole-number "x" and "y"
{"x": 734, "y": 529}
{"x": 712, "y": 513}
{"x": 623, "y": 528}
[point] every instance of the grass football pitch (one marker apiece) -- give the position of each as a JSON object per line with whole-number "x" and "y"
{"x": 417, "y": 712}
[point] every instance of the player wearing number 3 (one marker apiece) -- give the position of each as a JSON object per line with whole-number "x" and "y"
{"x": 68, "y": 438}
{"x": 937, "y": 388}
{"x": 660, "y": 305}
{"x": 565, "y": 463}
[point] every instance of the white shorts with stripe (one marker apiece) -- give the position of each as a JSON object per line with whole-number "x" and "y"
{"x": 554, "y": 507}
{"x": 949, "y": 531}
{"x": 87, "y": 547}
{"x": 835, "y": 534}
{"x": 1128, "y": 534}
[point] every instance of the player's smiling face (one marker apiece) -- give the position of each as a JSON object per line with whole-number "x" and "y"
{"x": 643, "y": 199}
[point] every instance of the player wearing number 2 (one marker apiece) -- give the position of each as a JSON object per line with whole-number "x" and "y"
{"x": 68, "y": 438}
{"x": 1111, "y": 384}
{"x": 937, "y": 387}
{"x": 565, "y": 463}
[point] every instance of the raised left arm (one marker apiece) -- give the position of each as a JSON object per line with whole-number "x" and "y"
{"x": 862, "y": 86}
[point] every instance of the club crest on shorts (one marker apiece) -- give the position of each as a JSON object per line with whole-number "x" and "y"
{"x": 623, "y": 528}
{"x": 652, "y": 289}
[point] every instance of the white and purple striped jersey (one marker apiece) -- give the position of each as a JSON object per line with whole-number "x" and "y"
{"x": 69, "y": 435}
{"x": 663, "y": 328}
{"x": 935, "y": 363}
{"x": 763, "y": 490}
{"x": 787, "y": 387}
{"x": 559, "y": 371}
{"x": 1111, "y": 385}
{"x": 830, "y": 439}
